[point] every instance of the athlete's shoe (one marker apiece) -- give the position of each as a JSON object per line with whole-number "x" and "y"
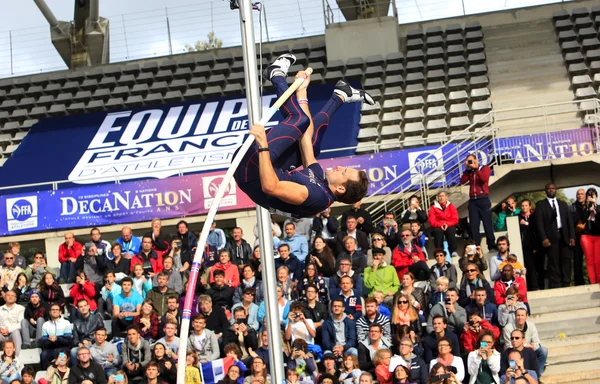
{"x": 280, "y": 66}
{"x": 352, "y": 95}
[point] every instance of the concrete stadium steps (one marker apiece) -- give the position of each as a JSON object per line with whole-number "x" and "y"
{"x": 568, "y": 323}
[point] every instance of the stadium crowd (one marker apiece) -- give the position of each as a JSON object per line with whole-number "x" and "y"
{"x": 357, "y": 299}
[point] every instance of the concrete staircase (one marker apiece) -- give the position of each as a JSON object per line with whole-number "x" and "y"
{"x": 526, "y": 68}
{"x": 568, "y": 322}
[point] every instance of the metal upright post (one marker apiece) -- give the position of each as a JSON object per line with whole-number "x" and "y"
{"x": 263, "y": 216}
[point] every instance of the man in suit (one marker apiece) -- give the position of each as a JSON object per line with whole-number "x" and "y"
{"x": 554, "y": 225}
{"x": 362, "y": 240}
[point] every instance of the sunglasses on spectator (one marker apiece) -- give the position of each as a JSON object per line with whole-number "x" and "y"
{"x": 515, "y": 338}
{"x": 406, "y": 235}
{"x": 402, "y": 302}
{"x": 377, "y": 239}
{"x": 472, "y": 270}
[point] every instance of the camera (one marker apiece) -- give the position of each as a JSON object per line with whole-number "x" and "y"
{"x": 440, "y": 377}
{"x": 297, "y": 314}
{"x": 471, "y": 249}
{"x": 470, "y": 162}
{"x": 448, "y": 301}
{"x": 471, "y": 323}
{"x": 590, "y": 204}
{"x": 510, "y": 297}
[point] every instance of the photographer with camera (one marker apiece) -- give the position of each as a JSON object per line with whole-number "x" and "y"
{"x": 389, "y": 229}
{"x": 590, "y": 237}
{"x": 455, "y": 315}
{"x": 478, "y": 177}
{"x": 508, "y": 209}
{"x": 299, "y": 327}
{"x": 484, "y": 362}
{"x": 474, "y": 328}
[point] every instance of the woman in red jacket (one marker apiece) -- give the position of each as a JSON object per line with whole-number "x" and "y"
{"x": 406, "y": 254}
{"x": 83, "y": 289}
{"x": 232, "y": 272}
{"x": 443, "y": 218}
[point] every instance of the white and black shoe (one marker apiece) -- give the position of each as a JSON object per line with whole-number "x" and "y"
{"x": 352, "y": 95}
{"x": 280, "y": 66}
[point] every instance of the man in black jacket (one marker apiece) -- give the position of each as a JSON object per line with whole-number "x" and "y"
{"x": 362, "y": 241}
{"x": 554, "y": 225}
{"x": 86, "y": 371}
{"x": 238, "y": 248}
{"x": 216, "y": 320}
{"x": 84, "y": 327}
{"x": 326, "y": 226}
{"x": 221, "y": 293}
{"x": 363, "y": 218}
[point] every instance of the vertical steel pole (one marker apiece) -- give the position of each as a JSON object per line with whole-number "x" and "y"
{"x": 12, "y": 70}
{"x": 169, "y": 32}
{"x": 263, "y": 216}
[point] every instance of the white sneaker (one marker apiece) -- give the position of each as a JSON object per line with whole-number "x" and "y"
{"x": 352, "y": 95}
{"x": 280, "y": 66}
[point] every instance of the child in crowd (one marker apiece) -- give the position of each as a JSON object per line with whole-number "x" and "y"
{"x": 350, "y": 372}
{"x": 440, "y": 295}
{"x": 10, "y": 368}
{"x": 419, "y": 237}
{"x": 385, "y": 311}
{"x": 28, "y": 375}
{"x": 107, "y": 293}
{"x": 514, "y": 261}
{"x": 382, "y": 360}
{"x": 140, "y": 283}
{"x": 192, "y": 373}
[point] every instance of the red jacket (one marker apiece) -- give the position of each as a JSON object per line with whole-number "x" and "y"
{"x": 87, "y": 293}
{"x": 500, "y": 290}
{"x": 402, "y": 259}
{"x": 438, "y": 216}
{"x": 468, "y": 339}
{"x": 64, "y": 253}
{"x": 232, "y": 274}
{"x": 155, "y": 261}
{"x": 478, "y": 181}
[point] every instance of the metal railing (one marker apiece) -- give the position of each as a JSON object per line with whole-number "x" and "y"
{"x": 443, "y": 167}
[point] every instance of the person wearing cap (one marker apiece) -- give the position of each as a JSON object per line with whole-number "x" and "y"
{"x": 382, "y": 277}
{"x": 329, "y": 366}
{"x": 36, "y": 313}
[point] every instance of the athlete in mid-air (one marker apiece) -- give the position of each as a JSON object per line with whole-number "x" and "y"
{"x": 269, "y": 172}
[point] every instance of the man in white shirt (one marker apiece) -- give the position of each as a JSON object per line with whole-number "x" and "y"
{"x": 11, "y": 315}
{"x": 532, "y": 339}
{"x": 9, "y": 272}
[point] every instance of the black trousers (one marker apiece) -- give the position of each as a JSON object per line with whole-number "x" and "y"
{"x": 559, "y": 263}
{"x": 480, "y": 210}
{"x": 535, "y": 269}
{"x": 438, "y": 238}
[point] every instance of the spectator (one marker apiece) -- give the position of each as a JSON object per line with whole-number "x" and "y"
{"x": 147, "y": 321}
{"x": 216, "y": 320}
{"x": 508, "y": 280}
{"x": 472, "y": 255}
{"x": 402, "y": 373}
{"x": 258, "y": 371}
{"x": 405, "y": 314}
{"x": 22, "y": 289}
{"x": 105, "y": 354}
{"x": 216, "y": 237}
{"x": 590, "y": 238}
{"x": 136, "y": 354}
{"x": 372, "y": 316}
{"x": 518, "y": 268}
{"x": 517, "y": 343}
{"x": 249, "y": 280}
{"x": 503, "y": 246}
{"x": 454, "y": 314}
{"x": 119, "y": 265}
{"x": 531, "y": 339}
{"x": 437, "y": 372}
{"x": 275, "y": 233}
{"x": 150, "y": 260}
{"x": 94, "y": 267}
{"x": 234, "y": 374}
{"x": 10, "y": 367}
{"x": 484, "y": 362}
{"x": 203, "y": 341}
{"x": 579, "y": 214}
{"x": 159, "y": 294}
{"x": 511, "y": 375}
{"x": 339, "y": 331}
{"x": 379, "y": 242}
{"x": 353, "y": 303}
{"x": 478, "y": 177}
{"x": 240, "y": 333}
{"x": 11, "y": 317}
{"x": 555, "y": 228}
{"x": 473, "y": 329}
{"x": 188, "y": 240}
{"x": 406, "y": 254}
{"x": 439, "y": 296}
{"x": 416, "y": 295}
{"x": 382, "y": 361}
{"x": 126, "y": 306}
{"x": 509, "y": 209}
{"x": 382, "y": 277}
{"x": 107, "y": 293}
{"x": 84, "y": 327}
{"x": 326, "y": 227}
{"x": 256, "y": 263}
{"x": 351, "y": 372}
{"x": 9, "y": 272}
{"x": 311, "y": 276}
{"x": 414, "y": 212}
{"x": 57, "y": 336}
{"x": 173, "y": 313}
{"x": 59, "y": 371}
{"x": 313, "y": 308}
{"x": 20, "y": 260}
{"x": 506, "y": 311}
{"x": 362, "y": 241}
{"x": 35, "y": 271}
{"x": 419, "y": 238}
{"x": 451, "y": 362}
{"x": 68, "y": 253}
{"x": 322, "y": 255}
{"x": 389, "y": 229}
{"x": 250, "y": 307}
{"x": 181, "y": 261}
{"x": 487, "y": 308}
{"x": 299, "y": 327}
{"x": 442, "y": 268}
{"x": 297, "y": 243}
{"x": 302, "y": 227}
{"x": 83, "y": 289}
{"x": 356, "y": 257}
{"x": 363, "y": 218}
{"x": 51, "y": 292}
{"x": 530, "y": 244}
{"x": 440, "y": 331}
{"x": 169, "y": 340}
{"x": 472, "y": 280}
{"x": 443, "y": 219}
{"x": 160, "y": 240}
{"x": 130, "y": 245}
{"x": 221, "y": 293}
{"x": 102, "y": 246}
{"x": 141, "y": 284}
{"x": 230, "y": 270}
{"x": 416, "y": 367}
{"x": 240, "y": 251}
{"x": 345, "y": 269}
{"x": 35, "y": 314}
{"x": 329, "y": 366}
{"x": 174, "y": 281}
{"x": 86, "y": 371}
{"x": 289, "y": 260}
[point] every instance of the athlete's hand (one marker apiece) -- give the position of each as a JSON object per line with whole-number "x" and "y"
{"x": 306, "y": 77}
{"x": 258, "y": 131}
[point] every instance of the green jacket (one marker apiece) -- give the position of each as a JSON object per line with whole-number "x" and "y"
{"x": 500, "y": 222}
{"x": 385, "y": 279}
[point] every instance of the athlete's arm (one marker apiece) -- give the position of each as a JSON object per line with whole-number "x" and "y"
{"x": 306, "y": 145}
{"x": 286, "y": 191}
